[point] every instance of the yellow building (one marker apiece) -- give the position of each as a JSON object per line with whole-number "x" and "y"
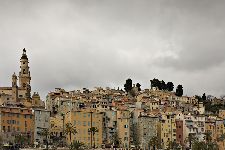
{"x": 167, "y": 129}
{"x": 123, "y": 127}
{"x": 215, "y": 127}
{"x": 83, "y": 120}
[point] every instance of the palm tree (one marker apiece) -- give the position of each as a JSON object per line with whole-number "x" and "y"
{"x": 173, "y": 145}
{"x": 154, "y": 141}
{"x": 93, "y": 130}
{"x": 212, "y": 146}
{"x": 209, "y": 144}
{"x": 1, "y": 142}
{"x": 208, "y": 137}
{"x": 77, "y": 145}
{"x": 191, "y": 139}
{"x": 45, "y": 133}
{"x": 20, "y": 139}
{"x": 196, "y": 145}
{"x": 70, "y": 129}
{"x": 116, "y": 140}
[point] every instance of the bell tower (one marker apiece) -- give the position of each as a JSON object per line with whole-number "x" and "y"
{"x": 24, "y": 74}
{"x": 14, "y": 88}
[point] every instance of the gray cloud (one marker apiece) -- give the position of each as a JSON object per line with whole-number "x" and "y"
{"x": 87, "y": 43}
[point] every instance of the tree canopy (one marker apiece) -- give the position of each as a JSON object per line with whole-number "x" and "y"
{"x": 161, "y": 85}
{"x": 128, "y": 85}
{"x": 179, "y": 90}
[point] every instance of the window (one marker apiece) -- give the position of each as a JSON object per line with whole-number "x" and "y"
{"x": 125, "y": 126}
{"x": 84, "y": 123}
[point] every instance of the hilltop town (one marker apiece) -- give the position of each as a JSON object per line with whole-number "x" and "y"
{"x": 131, "y": 118}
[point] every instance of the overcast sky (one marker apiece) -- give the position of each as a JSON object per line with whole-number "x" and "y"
{"x": 87, "y": 43}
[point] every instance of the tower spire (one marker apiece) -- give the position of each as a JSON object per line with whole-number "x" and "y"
{"x": 24, "y": 74}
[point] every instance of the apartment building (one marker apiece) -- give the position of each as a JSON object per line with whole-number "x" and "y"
{"x": 146, "y": 129}
{"x": 14, "y": 121}
{"x": 123, "y": 127}
{"x": 41, "y": 122}
{"x": 167, "y": 129}
{"x": 83, "y": 120}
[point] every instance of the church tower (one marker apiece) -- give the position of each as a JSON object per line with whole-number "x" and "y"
{"x": 14, "y": 88}
{"x": 24, "y": 74}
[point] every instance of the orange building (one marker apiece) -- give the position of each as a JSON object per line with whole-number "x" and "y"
{"x": 14, "y": 121}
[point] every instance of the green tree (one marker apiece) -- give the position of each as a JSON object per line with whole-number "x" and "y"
{"x": 170, "y": 86}
{"x": 46, "y": 133}
{"x": 191, "y": 138}
{"x": 128, "y": 85}
{"x": 196, "y": 145}
{"x": 204, "y": 97}
{"x": 1, "y": 143}
{"x": 93, "y": 130}
{"x": 212, "y": 146}
{"x": 20, "y": 139}
{"x": 138, "y": 85}
{"x": 179, "y": 91}
{"x": 154, "y": 142}
{"x": 70, "y": 129}
{"x": 116, "y": 140}
{"x": 221, "y": 138}
{"x": 163, "y": 85}
{"x": 208, "y": 137}
{"x": 77, "y": 146}
{"x": 155, "y": 83}
{"x": 173, "y": 146}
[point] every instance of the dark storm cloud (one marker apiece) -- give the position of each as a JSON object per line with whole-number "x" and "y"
{"x": 87, "y": 43}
